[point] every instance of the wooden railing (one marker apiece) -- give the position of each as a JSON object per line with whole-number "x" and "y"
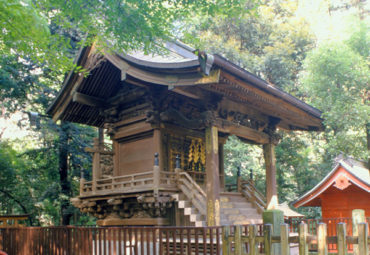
{"x": 230, "y": 240}
{"x": 192, "y": 191}
{"x": 248, "y": 190}
{"x": 331, "y": 223}
{"x": 125, "y": 183}
{"x": 240, "y": 243}
{"x": 199, "y": 177}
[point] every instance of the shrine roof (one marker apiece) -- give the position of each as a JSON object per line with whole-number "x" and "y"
{"x": 347, "y": 171}
{"x": 288, "y": 212}
{"x": 183, "y": 67}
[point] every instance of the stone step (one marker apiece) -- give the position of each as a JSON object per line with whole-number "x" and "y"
{"x": 227, "y": 205}
{"x": 200, "y": 224}
{"x": 233, "y": 197}
{"x": 240, "y": 205}
{"x": 196, "y": 217}
{"x": 236, "y": 217}
{"x": 244, "y": 211}
{"x": 248, "y": 221}
{"x": 183, "y": 204}
{"x": 190, "y": 210}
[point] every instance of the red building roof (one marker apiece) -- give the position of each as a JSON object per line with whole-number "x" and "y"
{"x": 346, "y": 173}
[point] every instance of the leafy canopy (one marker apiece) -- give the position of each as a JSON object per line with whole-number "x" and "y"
{"x": 126, "y": 24}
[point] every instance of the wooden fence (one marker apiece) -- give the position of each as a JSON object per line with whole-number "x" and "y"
{"x": 331, "y": 225}
{"x": 235, "y": 240}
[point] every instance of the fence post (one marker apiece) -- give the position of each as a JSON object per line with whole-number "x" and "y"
{"x": 267, "y": 232}
{"x": 341, "y": 235}
{"x": 358, "y": 216}
{"x": 238, "y": 240}
{"x": 322, "y": 246}
{"x": 363, "y": 243}
{"x": 284, "y": 236}
{"x": 302, "y": 232}
{"x": 225, "y": 240}
{"x": 252, "y": 229}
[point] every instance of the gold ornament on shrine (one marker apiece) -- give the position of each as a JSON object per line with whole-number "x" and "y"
{"x": 197, "y": 155}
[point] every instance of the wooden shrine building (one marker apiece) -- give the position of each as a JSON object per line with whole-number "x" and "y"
{"x": 181, "y": 104}
{"x": 345, "y": 188}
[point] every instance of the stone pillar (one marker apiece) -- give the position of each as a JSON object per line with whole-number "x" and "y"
{"x": 276, "y": 218}
{"x": 213, "y": 179}
{"x": 271, "y": 188}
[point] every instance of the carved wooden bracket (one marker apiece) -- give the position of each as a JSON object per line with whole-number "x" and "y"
{"x": 171, "y": 115}
{"x": 156, "y": 206}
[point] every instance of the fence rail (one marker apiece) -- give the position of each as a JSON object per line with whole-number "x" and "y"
{"x": 234, "y": 240}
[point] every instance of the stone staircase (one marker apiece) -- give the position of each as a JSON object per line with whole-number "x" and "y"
{"x": 194, "y": 216}
{"x": 192, "y": 200}
{"x": 235, "y": 209}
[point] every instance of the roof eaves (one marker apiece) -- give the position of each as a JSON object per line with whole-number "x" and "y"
{"x": 262, "y": 84}
{"x": 77, "y": 61}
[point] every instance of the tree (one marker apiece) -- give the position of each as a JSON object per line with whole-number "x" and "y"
{"x": 337, "y": 82}
{"x": 272, "y": 44}
{"x": 125, "y": 24}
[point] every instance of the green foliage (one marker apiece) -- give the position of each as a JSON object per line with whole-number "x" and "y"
{"x": 271, "y": 43}
{"x": 29, "y": 27}
{"x": 337, "y": 82}
{"x": 248, "y": 158}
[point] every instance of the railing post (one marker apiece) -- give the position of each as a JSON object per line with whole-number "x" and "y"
{"x": 302, "y": 232}
{"x": 238, "y": 240}
{"x": 322, "y": 246}
{"x": 284, "y": 236}
{"x": 358, "y": 216}
{"x": 156, "y": 175}
{"x": 238, "y": 180}
{"x": 226, "y": 249}
{"x": 363, "y": 241}
{"x": 267, "y": 234}
{"x": 341, "y": 235}
{"x": 252, "y": 230}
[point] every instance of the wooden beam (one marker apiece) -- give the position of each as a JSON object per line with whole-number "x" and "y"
{"x": 181, "y": 91}
{"x": 213, "y": 179}
{"x": 163, "y": 79}
{"x": 271, "y": 188}
{"x": 88, "y": 100}
{"x": 242, "y": 131}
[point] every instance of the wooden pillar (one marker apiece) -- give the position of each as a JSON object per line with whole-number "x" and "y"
{"x": 271, "y": 188}
{"x": 96, "y": 174}
{"x": 115, "y": 148}
{"x": 221, "y": 165}
{"x": 158, "y": 146}
{"x": 213, "y": 179}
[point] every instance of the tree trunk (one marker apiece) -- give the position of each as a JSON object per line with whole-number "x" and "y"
{"x": 368, "y": 143}
{"x": 63, "y": 173}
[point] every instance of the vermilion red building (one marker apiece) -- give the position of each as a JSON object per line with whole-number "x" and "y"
{"x": 345, "y": 188}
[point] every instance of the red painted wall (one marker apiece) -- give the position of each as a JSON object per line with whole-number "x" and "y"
{"x": 336, "y": 203}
